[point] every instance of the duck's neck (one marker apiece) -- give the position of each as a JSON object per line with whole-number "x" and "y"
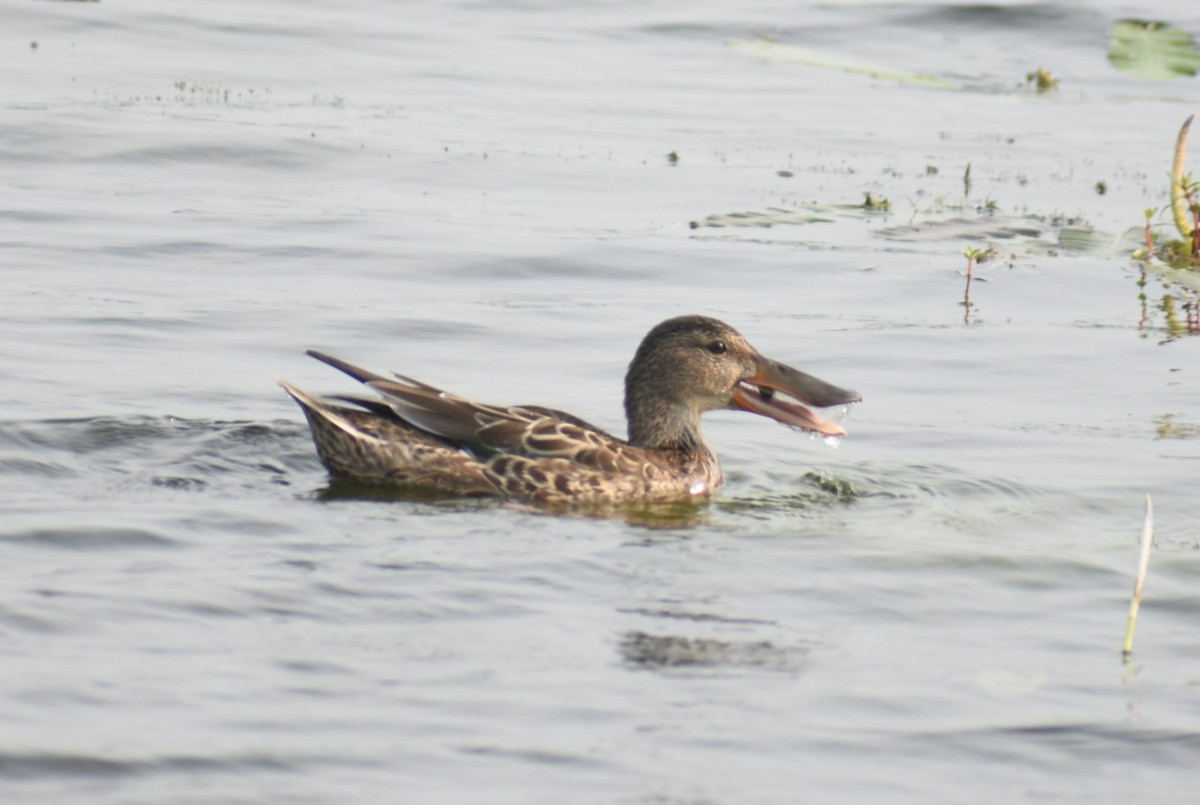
{"x": 663, "y": 425}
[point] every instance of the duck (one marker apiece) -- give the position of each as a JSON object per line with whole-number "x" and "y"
{"x": 418, "y": 437}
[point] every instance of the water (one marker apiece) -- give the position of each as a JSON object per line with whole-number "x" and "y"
{"x": 479, "y": 195}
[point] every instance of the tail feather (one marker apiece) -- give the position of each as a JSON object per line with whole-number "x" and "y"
{"x": 357, "y": 372}
{"x": 316, "y": 407}
{"x": 374, "y": 446}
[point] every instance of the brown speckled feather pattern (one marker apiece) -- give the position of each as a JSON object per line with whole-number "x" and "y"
{"x": 418, "y": 436}
{"x": 377, "y": 450}
{"x": 522, "y": 453}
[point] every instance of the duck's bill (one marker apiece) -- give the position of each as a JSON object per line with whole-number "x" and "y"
{"x": 763, "y": 394}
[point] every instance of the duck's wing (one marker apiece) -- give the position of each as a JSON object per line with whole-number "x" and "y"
{"x": 528, "y": 431}
{"x": 417, "y": 404}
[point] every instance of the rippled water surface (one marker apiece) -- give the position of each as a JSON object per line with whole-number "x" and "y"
{"x": 501, "y": 199}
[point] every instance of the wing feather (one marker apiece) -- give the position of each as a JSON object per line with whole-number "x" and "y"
{"x": 527, "y": 452}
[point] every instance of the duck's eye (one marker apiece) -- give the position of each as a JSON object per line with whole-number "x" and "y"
{"x": 717, "y": 347}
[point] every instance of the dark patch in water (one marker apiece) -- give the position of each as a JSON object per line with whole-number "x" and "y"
{"x": 90, "y": 539}
{"x": 531, "y": 755}
{"x": 1072, "y": 25}
{"x": 673, "y": 651}
{"x": 26, "y": 623}
{"x": 1053, "y": 745}
{"x": 179, "y": 483}
{"x": 47, "y": 764}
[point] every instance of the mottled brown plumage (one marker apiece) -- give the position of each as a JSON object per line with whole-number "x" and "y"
{"x": 420, "y": 437}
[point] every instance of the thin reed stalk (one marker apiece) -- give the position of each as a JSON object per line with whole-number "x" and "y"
{"x": 1143, "y": 563}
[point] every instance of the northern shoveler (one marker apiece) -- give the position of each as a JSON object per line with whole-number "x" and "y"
{"x": 421, "y": 437}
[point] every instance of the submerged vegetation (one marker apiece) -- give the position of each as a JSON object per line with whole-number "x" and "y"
{"x": 1166, "y": 244}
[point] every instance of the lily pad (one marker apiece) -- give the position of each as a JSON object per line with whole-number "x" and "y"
{"x": 773, "y": 51}
{"x": 1154, "y": 51}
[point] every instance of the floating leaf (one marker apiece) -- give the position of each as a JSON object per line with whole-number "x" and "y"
{"x": 1154, "y": 51}
{"x": 772, "y": 51}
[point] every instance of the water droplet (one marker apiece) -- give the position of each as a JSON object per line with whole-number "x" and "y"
{"x": 839, "y": 414}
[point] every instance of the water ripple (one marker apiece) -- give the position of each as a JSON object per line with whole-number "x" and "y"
{"x": 166, "y": 452}
{"x": 88, "y": 539}
{"x": 17, "y": 765}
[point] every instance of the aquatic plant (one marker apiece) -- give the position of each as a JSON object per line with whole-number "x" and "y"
{"x": 876, "y": 203}
{"x": 973, "y": 255}
{"x": 1139, "y": 584}
{"x": 1153, "y": 51}
{"x": 1042, "y": 79}
{"x": 1183, "y": 196}
{"x": 1185, "y": 214}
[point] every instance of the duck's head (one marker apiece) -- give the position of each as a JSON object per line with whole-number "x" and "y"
{"x": 692, "y": 364}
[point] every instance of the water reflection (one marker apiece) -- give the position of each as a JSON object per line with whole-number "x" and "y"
{"x": 1179, "y": 304}
{"x": 686, "y": 514}
{"x": 1190, "y": 324}
{"x": 673, "y": 652}
{"x": 665, "y": 516}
